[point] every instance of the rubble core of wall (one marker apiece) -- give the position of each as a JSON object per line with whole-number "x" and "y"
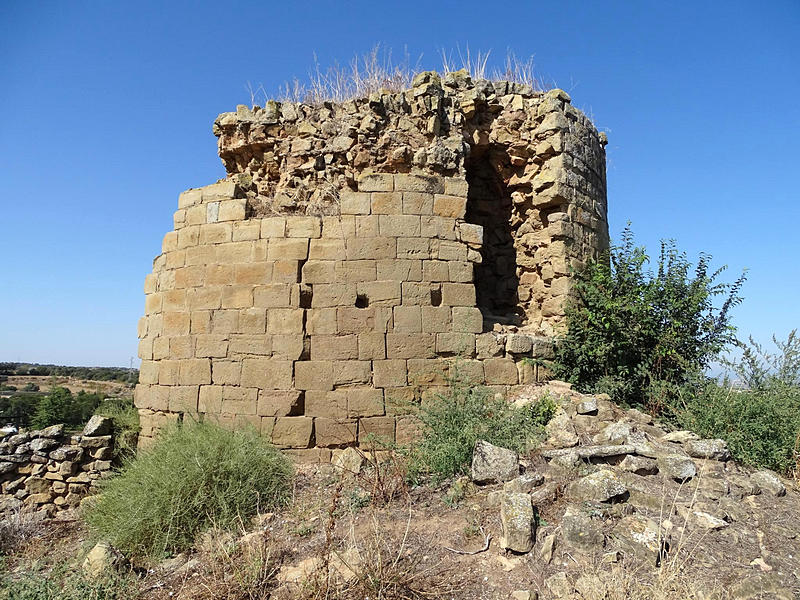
{"x": 50, "y": 470}
{"x": 543, "y": 159}
{"x": 358, "y": 255}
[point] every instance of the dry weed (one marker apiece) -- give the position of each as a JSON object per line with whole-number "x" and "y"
{"x": 18, "y": 528}
{"x": 377, "y": 71}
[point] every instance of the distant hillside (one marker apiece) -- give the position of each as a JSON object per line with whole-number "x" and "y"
{"x": 121, "y": 374}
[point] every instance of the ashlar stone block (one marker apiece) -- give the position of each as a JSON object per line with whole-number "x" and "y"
{"x": 389, "y": 373}
{"x": 331, "y": 433}
{"x": 293, "y": 432}
{"x": 279, "y": 403}
{"x": 266, "y": 374}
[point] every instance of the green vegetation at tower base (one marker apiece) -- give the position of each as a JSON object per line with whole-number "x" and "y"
{"x": 454, "y": 420}
{"x": 196, "y": 476}
{"x": 643, "y": 336}
{"x": 760, "y": 416}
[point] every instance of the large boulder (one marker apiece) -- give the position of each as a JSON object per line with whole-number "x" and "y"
{"x": 492, "y": 463}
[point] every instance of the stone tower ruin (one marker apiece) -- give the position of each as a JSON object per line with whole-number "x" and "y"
{"x": 358, "y": 253}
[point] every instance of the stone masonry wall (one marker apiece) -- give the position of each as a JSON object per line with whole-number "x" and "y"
{"x": 357, "y": 254}
{"x": 50, "y": 470}
{"x": 535, "y": 165}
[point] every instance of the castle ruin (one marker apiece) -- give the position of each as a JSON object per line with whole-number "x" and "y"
{"x": 358, "y": 252}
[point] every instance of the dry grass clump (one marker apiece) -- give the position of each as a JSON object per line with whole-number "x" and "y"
{"x": 378, "y": 71}
{"x": 379, "y": 564}
{"x": 17, "y": 528}
{"x": 244, "y": 570}
{"x": 667, "y": 584}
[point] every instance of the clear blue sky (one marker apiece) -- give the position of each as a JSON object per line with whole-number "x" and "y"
{"x": 107, "y": 110}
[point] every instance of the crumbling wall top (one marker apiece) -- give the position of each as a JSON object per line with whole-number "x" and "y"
{"x": 296, "y": 158}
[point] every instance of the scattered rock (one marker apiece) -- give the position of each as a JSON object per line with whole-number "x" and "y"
{"x": 639, "y": 464}
{"x": 299, "y": 572}
{"x": 707, "y": 521}
{"x": 680, "y": 437}
{"x": 172, "y": 564}
{"x": 567, "y": 460}
{"x": 559, "y": 585}
{"x": 580, "y": 530}
{"x": 640, "y": 536}
{"x": 102, "y": 559}
{"x": 592, "y": 587}
{"x": 459, "y": 490}
{"x": 587, "y": 407}
{"x": 769, "y": 481}
{"x": 710, "y": 449}
{"x": 98, "y": 425}
{"x": 350, "y": 460}
{"x": 615, "y": 433}
{"x": 560, "y": 432}
{"x": 53, "y": 431}
{"x": 524, "y": 483}
{"x": 493, "y": 464}
{"x": 548, "y": 547}
{"x": 601, "y": 486}
{"x": 638, "y": 416}
{"x": 518, "y": 523}
{"x": 677, "y": 467}
{"x": 544, "y": 494}
{"x": 759, "y": 587}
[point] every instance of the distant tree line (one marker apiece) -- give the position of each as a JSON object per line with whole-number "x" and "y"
{"x": 60, "y": 405}
{"x": 120, "y": 374}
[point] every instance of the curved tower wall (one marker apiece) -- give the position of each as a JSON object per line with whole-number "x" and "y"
{"x": 359, "y": 254}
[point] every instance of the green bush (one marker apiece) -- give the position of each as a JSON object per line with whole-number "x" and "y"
{"x": 759, "y": 417}
{"x": 18, "y": 409}
{"x": 453, "y": 421}
{"x": 194, "y": 477}
{"x": 60, "y": 406}
{"x": 641, "y": 336}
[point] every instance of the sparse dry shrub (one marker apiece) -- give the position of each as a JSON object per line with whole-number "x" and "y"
{"x": 244, "y": 570}
{"x": 385, "y": 473}
{"x": 17, "y": 527}
{"x": 378, "y": 564}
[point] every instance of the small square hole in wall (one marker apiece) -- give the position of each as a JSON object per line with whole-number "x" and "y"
{"x": 306, "y": 295}
{"x": 436, "y": 296}
{"x": 362, "y": 301}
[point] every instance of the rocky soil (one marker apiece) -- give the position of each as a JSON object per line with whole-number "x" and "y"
{"x": 610, "y": 507}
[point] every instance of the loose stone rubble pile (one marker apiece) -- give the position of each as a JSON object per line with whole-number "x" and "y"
{"x": 355, "y": 249}
{"x": 612, "y": 486}
{"x": 49, "y": 470}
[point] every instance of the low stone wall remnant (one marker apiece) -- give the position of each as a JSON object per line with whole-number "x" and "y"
{"x": 50, "y": 470}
